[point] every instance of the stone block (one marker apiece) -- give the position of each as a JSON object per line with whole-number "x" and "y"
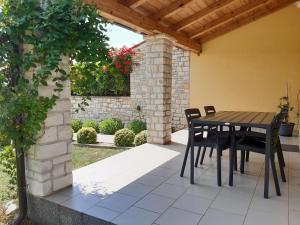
{"x": 62, "y": 182}
{"x": 48, "y": 135}
{"x": 39, "y": 166}
{"x": 54, "y": 119}
{"x": 50, "y": 150}
{"x": 39, "y": 188}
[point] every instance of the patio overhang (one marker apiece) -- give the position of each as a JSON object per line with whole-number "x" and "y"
{"x": 190, "y": 22}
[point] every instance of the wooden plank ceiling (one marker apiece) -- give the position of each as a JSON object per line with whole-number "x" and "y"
{"x": 190, "y": 22}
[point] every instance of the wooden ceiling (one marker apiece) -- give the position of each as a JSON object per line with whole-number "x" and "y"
{"x": 190, "y": 22}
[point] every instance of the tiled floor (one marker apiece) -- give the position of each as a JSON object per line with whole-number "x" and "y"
{"x": 142, "y": 186}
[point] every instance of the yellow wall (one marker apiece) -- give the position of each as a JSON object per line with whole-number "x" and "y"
{"x": 247, "y": 69}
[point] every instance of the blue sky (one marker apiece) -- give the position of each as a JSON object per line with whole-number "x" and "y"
{"x": 120, "y": 36}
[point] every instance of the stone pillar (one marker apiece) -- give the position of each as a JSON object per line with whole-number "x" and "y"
{"x": 158, "y": 84}
{"x": 48, "y": 163}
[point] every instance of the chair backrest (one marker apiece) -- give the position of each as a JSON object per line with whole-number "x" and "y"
{"x": 191, "y": 114}
{"x": 209, "y": 110}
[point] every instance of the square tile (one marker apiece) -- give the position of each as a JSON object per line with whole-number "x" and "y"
{"x": 192, "y": 203}
{"x": 294, "y": 217}
{"x": 71, "y": 191}
{"x": 136, "y": 216}
{"x": 136, "y": 189}
{"x": 218, "y": 217}
{"x": 204, "y": 191}
{"x": 155, "y": 203}
{"x": 175, "y": 216}
{"x": 118, "y": 202}
{"x": 238, "y": 205}
{"x": 255, "y": 217}
{"x": 272, "y": 205}
{"x": 102, "y": 213}
{"x": 82, "y": 203}
{"x": 169, "y": 190}
{"x": 58, "y": 198}
{"x": 164, "y": 172}
{"x": 151, "y": 180}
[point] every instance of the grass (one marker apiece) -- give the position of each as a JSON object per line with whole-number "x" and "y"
{"x": 81, "y": 156}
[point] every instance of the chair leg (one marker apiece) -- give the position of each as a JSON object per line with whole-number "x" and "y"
{"x": 185, "y": 159}
{"x": 281, "y": 168}
{"x": 247, "y": 156}
{"x": 242, "y": 166}
{"x": 275, "y": 174}
{"x": 211, "y": 152}
{"x": 280, "y": 153}
{"x": 219, "y": 166}
{"x": 202, "y": 156}
{"x": 198, "y": 156}
{"x": 192, "y": 163}
{"x": 235, "y": 160}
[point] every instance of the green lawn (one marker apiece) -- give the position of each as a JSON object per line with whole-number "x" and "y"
{"x": 83, "y": 156}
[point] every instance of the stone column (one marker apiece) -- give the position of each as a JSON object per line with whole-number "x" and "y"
{"x": 48, "y": 163}
{"x": 158, "y": 85}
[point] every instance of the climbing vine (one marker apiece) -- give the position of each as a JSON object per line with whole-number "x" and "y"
{"x": 34, "y": 37}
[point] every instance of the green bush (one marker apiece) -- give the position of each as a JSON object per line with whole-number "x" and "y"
{"x": 87, "y": 135}
{"x": 110, "y": 126}
{"x": 91, "y": 123}
{"x": 124, "y": 138}
{"x": 140, "y": 138}
{"x": 8, "y": 161}
{"x": 76, "y": 125}
{"x": 4, "y": 140}
{"x": 137, "y": 126}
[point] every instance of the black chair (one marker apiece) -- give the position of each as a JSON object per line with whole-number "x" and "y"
{"x": 203, "y": 136}
{"x": 248, "y": 143}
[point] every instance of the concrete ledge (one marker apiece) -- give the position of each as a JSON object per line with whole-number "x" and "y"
{"x": 44, "y": 212}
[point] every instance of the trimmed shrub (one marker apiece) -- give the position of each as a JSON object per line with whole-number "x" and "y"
{"x": 76, "y": 125}
{"x": 110, "y": 126}
{"x": 124, "y": 138}
{"x": 91, "y": 123}
{"x": 137, "y": 126}
{"x": 140, "y": 138}
{"x": 87, "y": 135}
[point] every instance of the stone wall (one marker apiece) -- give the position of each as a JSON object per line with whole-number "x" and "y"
{"x": 125, "y": 108}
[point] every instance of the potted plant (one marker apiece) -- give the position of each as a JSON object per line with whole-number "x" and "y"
{"x": 286, "y": 128}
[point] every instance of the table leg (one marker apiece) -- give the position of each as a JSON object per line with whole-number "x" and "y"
{"x": 192, "y": 160}
{"x": 231, "y": 155}
{"x": 267, "y": 162}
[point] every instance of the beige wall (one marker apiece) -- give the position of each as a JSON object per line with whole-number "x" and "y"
{"x": 248, "y": 69}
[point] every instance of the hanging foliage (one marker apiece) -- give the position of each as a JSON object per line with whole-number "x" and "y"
{"x": 54, "y": 29}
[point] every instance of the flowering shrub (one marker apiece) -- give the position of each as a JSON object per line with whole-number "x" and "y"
{"x": 113, "y": 78}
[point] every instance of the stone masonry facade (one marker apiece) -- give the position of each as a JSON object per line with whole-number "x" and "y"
{"x": 125, "y": 108}
{"x": 48, "y": 162}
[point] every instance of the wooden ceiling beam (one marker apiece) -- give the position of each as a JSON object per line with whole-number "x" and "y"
{"x": 200, "y": 14}
{"x": 134, "y": 3}
{"x": 258, "y": 13}
{"x": 225, "y": 18}
{"x": 114, "y": 10}
{"x": 171, "y": 9}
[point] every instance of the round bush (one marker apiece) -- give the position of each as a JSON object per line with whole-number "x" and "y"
{"x": 137, "y": 126}
{"x": 140, "y": 138}
{"x": 124, "y": 138}
{"x": 87, "y": 135}
{"x": 91, "y": 123}
{"x": 76, "y": 125}
{"x": 110, "y": 126}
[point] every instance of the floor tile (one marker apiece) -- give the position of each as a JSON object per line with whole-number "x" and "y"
{"x": 118, "y": 202}
{"x": 238, "y": 205}
{"x": 155, "y": 203}
{"x": 255, "y": 217}
{"x": 151, "y": 180}
{"x": 136, "y": 216}
{"x": 205, "y": 191}
{"x": 294, "y": 217}
{"x": 71, "y": 191}
{"x": 136, "y": 189}
{"x": 175, "y": 216}
{"x": 169, "y": 190}
{"x": 164, "y": 172}
{"x": 271, "y": 205}
{"x": 102, "y": 213}
{"x": 82, "y": 203}
{"x": 192, "y": 203}
{"x": 220, "y": 217}
{"x": 58, "y": 198}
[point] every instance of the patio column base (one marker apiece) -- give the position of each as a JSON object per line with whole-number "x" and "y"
{"x": 158, "y": 82}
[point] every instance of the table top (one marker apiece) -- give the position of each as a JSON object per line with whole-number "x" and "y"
{"x": 238, "y": 118}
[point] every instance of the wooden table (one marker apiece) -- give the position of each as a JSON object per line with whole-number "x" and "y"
{"x": 243, "y": 119}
